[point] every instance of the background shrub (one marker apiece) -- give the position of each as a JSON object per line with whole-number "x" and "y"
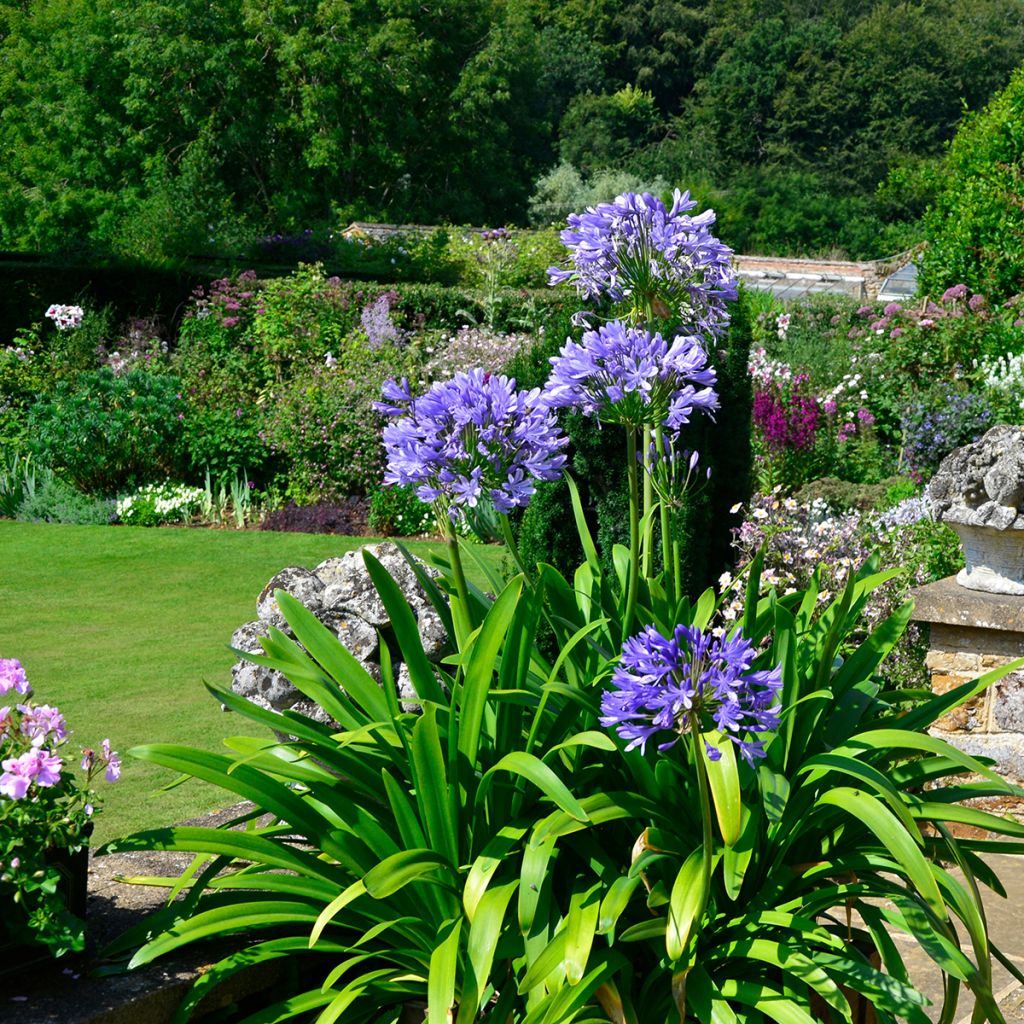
{"x": 105, "y": 432}
{"x": 396, "y": 511}
{"x": 56, "y": 501}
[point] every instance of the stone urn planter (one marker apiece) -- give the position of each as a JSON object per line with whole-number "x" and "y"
{"x": 979, "y": 492}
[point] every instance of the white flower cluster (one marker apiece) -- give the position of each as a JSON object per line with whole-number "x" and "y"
{"x": 66, "y": 318}
{"x": 23, "y": 355}
{"x": 1005, "y": 375}
{"x": 472, "y": 347}
{"x": 782, "y": 326}
{"x": 765, "y": 371}
{"x": 156, "y": 504}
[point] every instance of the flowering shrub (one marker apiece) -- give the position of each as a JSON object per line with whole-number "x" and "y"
{"x": 1003, "y": 380}
{"x": 937, "y": 421}
{"x": 470, "y": 348}
{"x": 808, "y": 540}
{"x": 42, "y": 809}
{"x": 65, "y": 318}
{"x": 323, "y": 426}
{"x": 159, "y": 504}
{"x": 105, "y": 431}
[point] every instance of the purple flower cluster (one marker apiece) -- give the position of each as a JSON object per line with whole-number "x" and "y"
{"x": 376, "y": 322}
{"x": 34, "y": 766}
{"x": 470, "y": 437}
{"x": 940, "y": 420}
{"x": 628, "y": 375}
{"x": 787, "y": 422}
{"x": 672, "y": 684}
{"x": 636, "y": 248}
{"x": 12, "y": 677}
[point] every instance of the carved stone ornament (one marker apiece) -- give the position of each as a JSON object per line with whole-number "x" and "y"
{"x": 979, "y": 492}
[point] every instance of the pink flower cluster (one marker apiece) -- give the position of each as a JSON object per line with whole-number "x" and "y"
{"x": 66, "y": 318}
{"x": 31, "y": 733}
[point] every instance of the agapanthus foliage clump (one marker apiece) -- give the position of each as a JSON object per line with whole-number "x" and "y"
{"x": 689, "y": 682}
{"x": 662, "y": 261}
{"x": 42, "y": 808}
{"x": 472, "y": 437}
{"x": 632, "y": 376}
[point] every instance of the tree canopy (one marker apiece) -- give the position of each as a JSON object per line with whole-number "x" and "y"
{"x": 164, "y": 128}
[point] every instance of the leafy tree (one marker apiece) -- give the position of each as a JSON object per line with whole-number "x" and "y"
{"x": 604, "y": 131}
{"x": 975, "y": 228}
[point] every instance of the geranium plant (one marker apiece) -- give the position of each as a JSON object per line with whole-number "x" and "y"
{"x": 43, "y": 809}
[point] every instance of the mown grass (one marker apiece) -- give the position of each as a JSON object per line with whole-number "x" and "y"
{"x": 120, "y": 626}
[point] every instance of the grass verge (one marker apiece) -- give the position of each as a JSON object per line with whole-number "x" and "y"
{"x": 120, "y": 626}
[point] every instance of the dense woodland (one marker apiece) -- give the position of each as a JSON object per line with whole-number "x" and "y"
{"x": 167, "y": 128}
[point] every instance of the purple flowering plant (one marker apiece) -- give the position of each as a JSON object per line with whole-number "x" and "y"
{"x": 661, "y": 262}
{"x": 610, "y": 802}
{"x": 42, "y": 808}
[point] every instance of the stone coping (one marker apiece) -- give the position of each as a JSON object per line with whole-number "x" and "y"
{"x": 948, "y": 603}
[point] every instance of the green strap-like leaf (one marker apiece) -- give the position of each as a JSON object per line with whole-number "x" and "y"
{"x": 724, "y": 777}
{"x": 398, "y": 870}
{"x": 444, "y": 967}
{"x": 403, "y": 622}
{"x": 480, "y": 667}
{"x": 484, "y": 933}
{"x": 486, "y": 864}
{"x": 237, "y": 916}
{"x": 334, "y": 657}
{"x": 431, "y": 780}
{"x": 580, "y": 927}
{"x": 894, "y": 837}
{"x": 687, "y": 898}
{"x": 534, "y": 770}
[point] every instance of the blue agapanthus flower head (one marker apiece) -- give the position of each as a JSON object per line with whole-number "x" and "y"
{"x": 677, "y": 684}
{"x": 663, "y": 260}
{"x": 470, "y": 437}
{"x": 629, "y": 375}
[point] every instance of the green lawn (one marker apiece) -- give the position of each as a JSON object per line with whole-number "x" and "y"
{"x": 120, "y": 626}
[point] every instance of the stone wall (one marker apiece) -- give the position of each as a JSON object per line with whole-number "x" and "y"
{"x": 973, "y": 632}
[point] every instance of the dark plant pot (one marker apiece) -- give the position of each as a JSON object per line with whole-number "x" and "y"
{"x": 18, "y": 952}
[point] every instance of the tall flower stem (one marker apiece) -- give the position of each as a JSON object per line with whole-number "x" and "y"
{"x": 671, "y": 583}
{"x": 648, "y": 518}
{"x": 633, "y": 584}
{"x": 460, "y": 599}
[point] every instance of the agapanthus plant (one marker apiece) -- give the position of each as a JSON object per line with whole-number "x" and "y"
{"x": 471, "y": 439}
{"x": 42, "y": 808}
{"x": 629, "y": 375}
{"x": 683, "y": 683}
{"x": 663, "y": 263}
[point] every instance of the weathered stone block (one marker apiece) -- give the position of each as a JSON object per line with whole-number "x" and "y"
{"x": 1008, "y": 703}
{"x": 969, "y": 717}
